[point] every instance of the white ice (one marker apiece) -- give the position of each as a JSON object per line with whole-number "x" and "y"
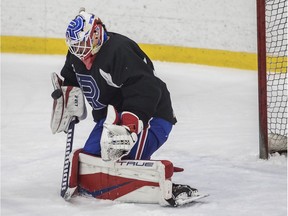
{"x": 215, "y": 141}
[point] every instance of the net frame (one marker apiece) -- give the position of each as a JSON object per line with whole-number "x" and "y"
{"x": 272, "y": 76}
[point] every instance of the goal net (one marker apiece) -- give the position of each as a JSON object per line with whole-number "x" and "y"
{"x": 272, "y": 68}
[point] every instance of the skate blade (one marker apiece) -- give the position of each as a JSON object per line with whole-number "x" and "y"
{"x": 181, "y": 202}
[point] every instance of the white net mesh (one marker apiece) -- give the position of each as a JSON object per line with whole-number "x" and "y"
{"x": 276, "y": 51}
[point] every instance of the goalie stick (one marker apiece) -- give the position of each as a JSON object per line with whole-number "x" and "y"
{"x": 67, "y": 192}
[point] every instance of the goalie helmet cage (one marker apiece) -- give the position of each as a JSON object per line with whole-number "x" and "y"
{"x": 272, "y": 76}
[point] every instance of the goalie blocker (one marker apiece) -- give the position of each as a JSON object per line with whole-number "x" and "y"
{"x": 135, "y": 181}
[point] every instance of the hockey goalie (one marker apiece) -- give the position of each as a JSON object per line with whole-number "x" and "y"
{"x": 133, "y": 117}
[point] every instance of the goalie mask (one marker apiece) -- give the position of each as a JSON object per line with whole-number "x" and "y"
{"x": 85, "y": 35}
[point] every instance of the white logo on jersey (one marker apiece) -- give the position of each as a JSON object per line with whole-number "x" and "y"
{"x": 108, "y": 79}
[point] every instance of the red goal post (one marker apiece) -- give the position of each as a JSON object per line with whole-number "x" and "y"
{"x": 272, "y": 76}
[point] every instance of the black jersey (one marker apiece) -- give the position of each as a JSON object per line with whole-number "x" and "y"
{"x": 121, "y": 75}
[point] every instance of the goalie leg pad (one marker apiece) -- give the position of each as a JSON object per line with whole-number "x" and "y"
{"x": 127, "y": 181}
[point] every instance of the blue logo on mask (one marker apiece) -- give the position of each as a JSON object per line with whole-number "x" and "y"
{"x": 74, "y": 28}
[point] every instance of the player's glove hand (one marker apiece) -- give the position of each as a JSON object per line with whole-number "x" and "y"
{"x": 68, "y": 103}
{"x": 118, "y": 140}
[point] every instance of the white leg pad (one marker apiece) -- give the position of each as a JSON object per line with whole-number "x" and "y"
{"x": 138, "y": 181}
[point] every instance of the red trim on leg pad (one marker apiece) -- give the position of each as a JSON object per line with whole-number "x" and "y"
{"x": 178, "y": 169}
{"x": 169, "y": 169}
{"x": 105, "y": 186}
{"x": 73, "y": 178}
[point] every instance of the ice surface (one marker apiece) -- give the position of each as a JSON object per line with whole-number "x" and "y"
{"x": 215, "y": 141}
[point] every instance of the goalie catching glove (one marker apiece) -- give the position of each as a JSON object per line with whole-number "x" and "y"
{"x": 118, "y": 140}
{"x": 68, "y": 103}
